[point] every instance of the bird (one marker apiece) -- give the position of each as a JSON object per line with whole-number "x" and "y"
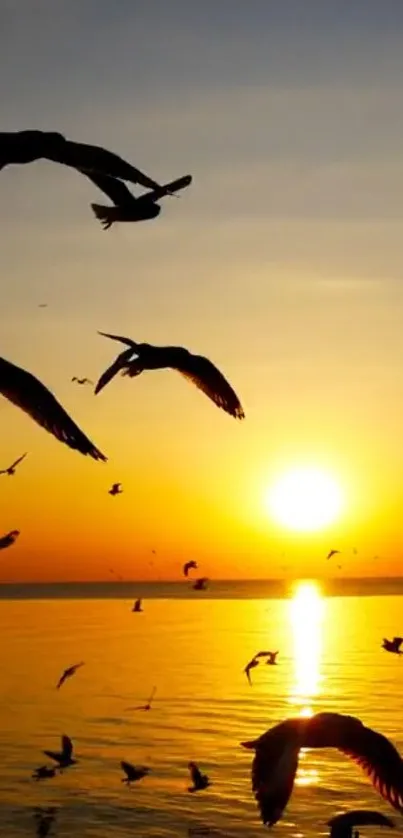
{"x": 332, "y": 553}
{"x": 41, "y": 305}
{"x": 200, "y": 781}
{"x": 276, "y": 758}
{"x": 251, "y": 665}
{"x": 195, "y": 368}
{"x": 137, "y": 606}
{"x": 28, "y": 393}
{"x": 44, "y": 773}
{"x": 82, "y": 380}
{"x": 189, "y": 566}
{"x": 11, "y": 469}
{"x": 271, "y": 657}
{"x": 200, "y": 584}
{"x": 126, "y": 206}
{"x": 133, "y": 773}
{"x": 64, "y": 757}
{"x": 68, "y": 673}
{"x": 116, "y": 489}
{"x": 17, "y": 147}
{"x": 393, "y": 645}
{"x": 341, "y": 826}
{"x": 9, "y": 539}
{"x": 146, "y": 706}
{"x": 44, "y": 820}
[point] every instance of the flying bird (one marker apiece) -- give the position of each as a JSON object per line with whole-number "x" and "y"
{"x": 342, "y": 826}
{"x": 82, "y": 380}
{"x": 44, "y": 773}
{"x": 137, "y": 606}
{"x": 195, "y": 368}
{"x": 11, "y": 469}
{"x": 200, "y": 584}
{"x": 41, "y": 305}
{"x": 200, "y": 781}
{"x": 146, "y": 706}
{"x": 9, "y": 539}
{"x": 26, "y": 146}
{"x": 133, "y": 773}
{"x": 276, "y": 758}
{"x": 68, "y": 673}
{"x": 28, "y": 393}
{"x": 189, "y": 566}
{"x": 64, "y": 758}
{"x": 116, "y": 489}
{"x": 393, "y": 645}
{"x": 126, "y": 206}
{"x": 332, "y": 553}
{"x": 251, "y": 665}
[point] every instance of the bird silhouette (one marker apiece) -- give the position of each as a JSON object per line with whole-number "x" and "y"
{"x": 137, "y": 605}
{"x": 9, "y": 539}
{"x": 393, "y": 645}
{"x": 189, "y": 566}
{"x": 332, "y": 553}
{"x": 68, "y": 673}
{"x": 82, "y": 380}
{"x": 276, "y": 758}
{"x": 195, "y": 368}
{"x": 200, "y": 584}
{"x": 44, "y": 773}
{"x": 28, "y": 393}
{"x": 44, "y": 820}
{"x": 200, "y": 781}
{"x": 132, "y": 772}
{"x": 11, "y": 469}
{"x": 146, "y": 706}
{"x": 126, "y": 206}
{"x": 116, "y": 489}
{"x": 64, "y": 758}
{"x": 341, "y": 826}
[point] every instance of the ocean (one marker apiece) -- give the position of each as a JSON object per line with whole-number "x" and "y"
{"x": 193, "y": 648}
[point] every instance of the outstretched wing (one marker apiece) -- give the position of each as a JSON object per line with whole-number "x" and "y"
{"x": 8, "y": 540}
{"x": 344, "y": 823}
{"x": 273, "y": 774}
{"x": 17, "y": 462}
{"x": 127, "y": 768}
{"x": 55, "y": 755}
{"x": 62, "y": 679}
{"x": 154, "y": 690}
{"x": 195, "y": 773}
{"x": 398, "y": 642}
{"x": 211, "y": 381}
{"x": 93, "y": 158}
{"x": 167, "y": 189}
{"x": 67, "y": 747}
{"x": 115, "y": 189}
{"x": 28, "y": 393}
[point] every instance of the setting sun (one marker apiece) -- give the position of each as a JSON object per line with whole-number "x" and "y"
{"x": 305, "y": 499}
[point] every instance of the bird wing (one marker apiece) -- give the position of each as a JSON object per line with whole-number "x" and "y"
{"x": 398, "y": 642}
{"x": 186, "y": 568}
{"x": 55, "y": 755}
{"x": 359, "y": 817}
{"x": 67, "y": 747}
{"x": 115, "y": 189}
{"x": 17, "y": 462}
{"x": 28, "y": 393}
{"x": 210, "y": 380}
{"x": 195, "y": 773}
{"x": 127, "y": 768}
{"x": 62, "y": 679}
{"x": 167, "y": 188}
{"x": 273, "y": 774}
{"x": 154, "y": 690}
{"x": 119, "y": 364}
{"x": 91, "y": 158}
{"x": 7, "y": 540}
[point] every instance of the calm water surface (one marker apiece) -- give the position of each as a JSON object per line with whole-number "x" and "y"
{"x": 194, "y": 650}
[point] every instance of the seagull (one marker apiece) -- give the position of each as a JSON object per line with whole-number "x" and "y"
{"x": 137, "y": 606}
{"x": 116, "y": 489}
{"x": 9, "y": 539}
{"x": 26, "y": 146}
{"x": 133, "y": 773}
{"x": 149, "y": 702}
{"x": 393, "y": 645}
{"x": 276, "y": 758}
{"x": 11, "y": 469}
{"x": 126, "y": 206}
{"x": 200, "y": 584}
{"x": 44, "y": 773}
{"x": 195, "y": 368}
{"x": 249, "y": 666}
{"x": 341, "y": 826}
{"x": 68, "y": 673}
{"x": 44, "y": 820}
{"x": 189, "y": 566}
{"x": 82, "y": 380}
{"x": 200, "y": 781}
{"x": 63, "y": 757}
{"x": 332, "y": 553}
{"x": 28, "y": 393}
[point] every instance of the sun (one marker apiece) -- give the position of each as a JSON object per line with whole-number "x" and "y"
{"x": 305, "y": 499}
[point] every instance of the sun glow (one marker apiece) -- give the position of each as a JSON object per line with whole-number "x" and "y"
{"x": 306, "y": 616}
{"x": 305, "y": 499}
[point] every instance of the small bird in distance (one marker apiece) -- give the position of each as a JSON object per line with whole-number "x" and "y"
{"x": 393, "y": 645}
{"x": 64, "y": 758}
{"x": 332, "y": 553}
{"x": 132, "y": 772}
{"x": 116, "y": 489}
{"x": 189, "y": 566}
{"x": 146, "y": 706}
{"x": 137, "y": 606}
{"x": 200, "y": 781}
{"x": 11, "y": 469}
{"x": 68, "y": 673}
{"x": 82, "y": 380}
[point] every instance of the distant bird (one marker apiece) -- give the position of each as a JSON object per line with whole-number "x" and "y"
{"x": 342, "y": 826}
{"x": 146, "y": 706}
{"x": 82, "y": 380}
{"x": 137, "y": 605}
{"x": 200, "y": 584}
{"x": 64, "y": 758}
{"x": 27, "y": 392}
{"x": 44, "y": 773}
{"x": 332, "y": 553}
{"x": 251, "y": 665}
{"x": 195, "y": 368}
{"x": 189, "y": 566}
{"x": 44, "y": 821}
{"x": 276, "y": 758}
{"x": 26, "y": 146}
{"x": 393, "y": 645}
{"x": 132, "y": 773}
{"x": 200, "y": 781}
{"x": 116, "y": 489}
{"x": 11, "y": 469}
{"x": 42, "y": 305}
{"x": 68, "y": 673}
{"x": 126, "y": 206}
{"x": 9, "y": 539}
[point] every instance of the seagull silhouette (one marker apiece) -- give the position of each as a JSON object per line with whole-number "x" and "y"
{"x": 28, "y": 393}
{"x": 116, "y": 489}
{"x": 9, "y": 539}
{"x": 146, "y": 706}
{"x": 132, "y": 772}
{"x": 341, "y": 826}
{"x": 332, "y": 553}
{"x": 64, "y": 757}
{"x": 195, "y": 368}
{"x": 200, "y": 584}
{"x": 68, "y": 673}
{"x": 82, "y": 380}
{"x": 200, "y": 781}
{"x": 44, "y": 773}
{"x": 393, "y": 645}
{"x": 189, "y": 566}
{"x": 137, "y": 606}
{"x": 126, "y": 206}
{"x": 11, "y": 469}
{"x": 276, "y": 758}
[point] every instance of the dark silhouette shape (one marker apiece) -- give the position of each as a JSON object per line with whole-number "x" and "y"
{"x": 146, "y": 706}
{"x": 44, "y": 820}
{"x": 42, "y": 305}
{"x": 11, "y": 469}
{"x": 68, "y": 673}
{"x": 116, "y": 489}
{"x": 126, "y": 206}
{"x": 271, "y": 659}
{"x": 132, "y": 772}
{"x": 200, "y": 781}
{"x": 251, "y": 665}
{"x": 28, "y": 393}
{"x": 332, "y": 553}
{"x": 200, "y": 584}
{"x": 341, "y": 826}
{"x": 276, "y": 758}
{"x": 64, "y": 758}
{"x": 393, "y": 645}
{"x": 9, "y": 539}
{"x": 82, "y": 380}
{"x": 44, "y": 773}
{"x": 195, "y": 368}
{"x": 26, "y": 146}
{"x": 189, "y": 566}
{"x": 137, "y": 605}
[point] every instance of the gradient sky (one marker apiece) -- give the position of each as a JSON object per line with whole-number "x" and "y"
{"x": 283, "y": 263}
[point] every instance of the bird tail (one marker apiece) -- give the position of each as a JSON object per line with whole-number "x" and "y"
{"x": 106, "y": 215}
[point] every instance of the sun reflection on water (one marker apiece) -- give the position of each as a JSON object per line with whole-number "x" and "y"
{"x": 306, "y": 615}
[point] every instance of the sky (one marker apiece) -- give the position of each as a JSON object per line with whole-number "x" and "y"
{"x": 282, "y": 263}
